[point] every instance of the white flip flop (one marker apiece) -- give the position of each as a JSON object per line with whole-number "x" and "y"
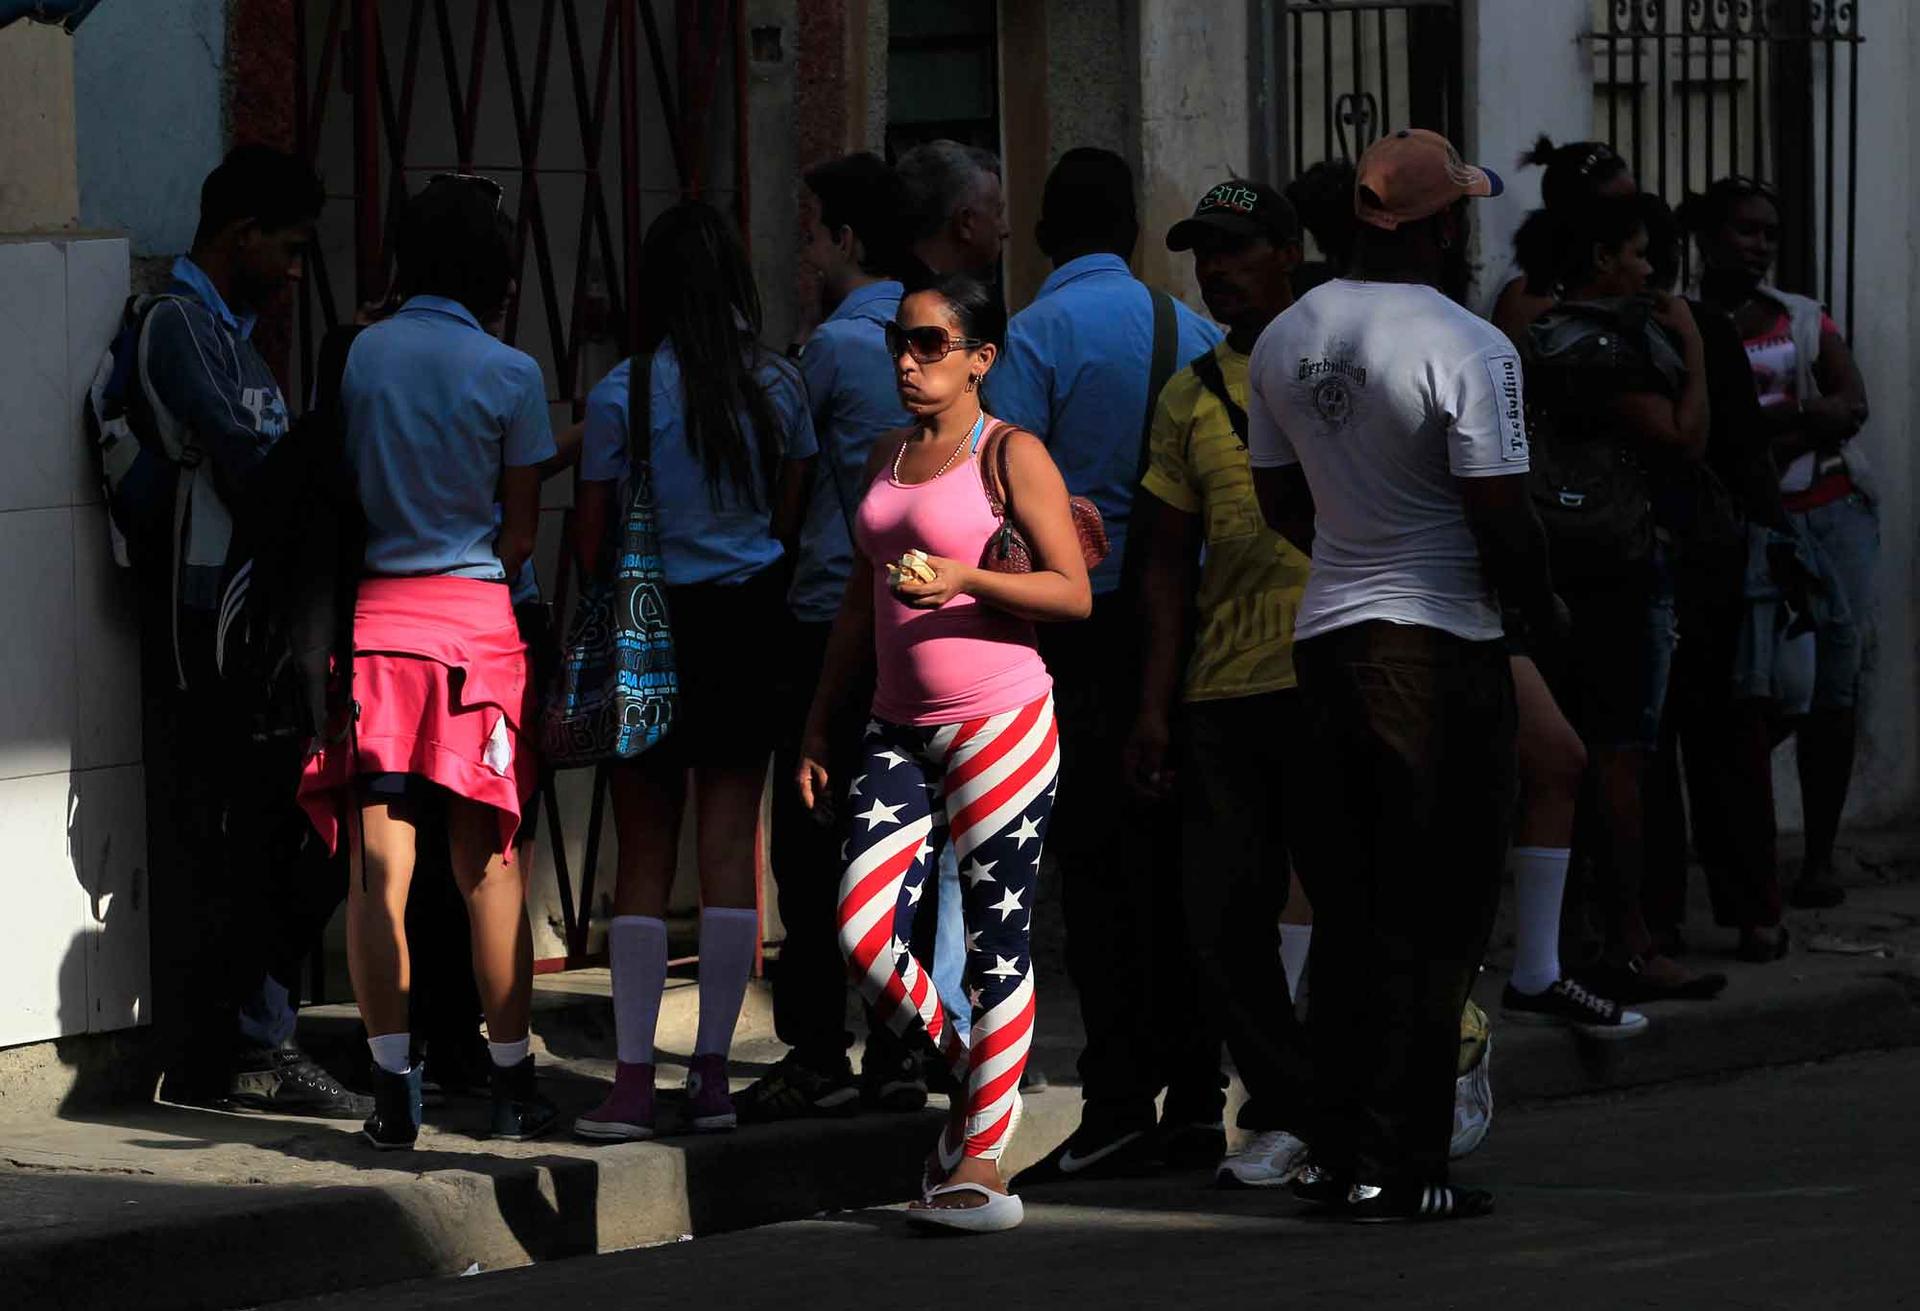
{"x": 999, "y": 1213}
{"x": 927, "y": 1181}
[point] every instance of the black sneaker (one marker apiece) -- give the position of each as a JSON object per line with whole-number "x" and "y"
{"x": 1103, "y": 1147}
{"x": 794, "y": 1089}
{"x": 1370, "y": 1204}
{"x": 395, "y": 1121}
{"x": 892, "y": 1082}
{"x": 284, "y": 1080}
{"x": 519, "y": 1111}
{"x": 1192, "y": 1144}
{"x": 1319, "y": 1186}
{"x": 1572, "y": 1004}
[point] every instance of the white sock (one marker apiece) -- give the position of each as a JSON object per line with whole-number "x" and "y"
{"x": 727, "y": 939}
{"x": 1295, "y": 939}
{"x": 637, "y": 949}
{"x": 507, "y": 1055}
{"x": 1539, "y": 882}
{"x": 392, "y": 1051}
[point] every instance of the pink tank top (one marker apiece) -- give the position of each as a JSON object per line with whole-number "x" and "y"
{"x": 965, "y": 660}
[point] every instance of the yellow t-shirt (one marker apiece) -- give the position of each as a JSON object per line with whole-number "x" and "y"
{"x": 1251, "y": 578}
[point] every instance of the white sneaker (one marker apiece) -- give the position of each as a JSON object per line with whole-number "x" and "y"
{"x": 1267, "y": 1160}
{"x": 1473, "y": 1106}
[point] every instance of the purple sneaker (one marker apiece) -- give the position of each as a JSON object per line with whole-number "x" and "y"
{"x": 709, "y": 1103}
{"x": 626, "y": 1116}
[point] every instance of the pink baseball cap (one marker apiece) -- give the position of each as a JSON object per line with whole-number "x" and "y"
{"x": 1414, "y": 174}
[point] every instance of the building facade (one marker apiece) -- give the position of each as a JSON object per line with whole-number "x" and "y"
{"x": 596, "y": 114}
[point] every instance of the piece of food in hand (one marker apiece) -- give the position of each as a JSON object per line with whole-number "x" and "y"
{"x": 914, "y": 564}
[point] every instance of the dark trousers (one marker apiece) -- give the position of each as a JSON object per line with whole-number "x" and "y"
{"x": 1412, "y": 748}
{"x": 1240, "y": 786}
{"x": 242, "y": 887}
{"x": 1725, "y": 742}
{"x": 1119, "y": 863}
{"x": 810, "y": 978}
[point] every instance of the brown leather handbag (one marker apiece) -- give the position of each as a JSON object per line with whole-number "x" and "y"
{"x": 1007, "y": 550}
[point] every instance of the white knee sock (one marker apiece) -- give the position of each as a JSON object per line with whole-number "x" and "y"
{"x": 1295, "y": 939}
{"x": 391, "y": 1051}
{"x": 637, "y": 950}
{"x": 727, "y": 939}
{"x": 1539, "y": 882}
{"x": 507, "y": 1055}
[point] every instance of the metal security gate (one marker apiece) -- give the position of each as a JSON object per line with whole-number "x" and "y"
{"x": 1346, "y": 72}
{"x": 1690, "y": 91}
{"x": 593, "y": 115}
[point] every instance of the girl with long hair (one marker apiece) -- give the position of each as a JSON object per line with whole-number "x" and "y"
{"x": 731, "y": 444}
{"x": 961, "y": 745}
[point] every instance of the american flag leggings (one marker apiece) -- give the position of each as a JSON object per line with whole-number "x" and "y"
{"x": 987, "y": 785}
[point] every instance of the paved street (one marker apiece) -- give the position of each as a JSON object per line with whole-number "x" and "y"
{"x": 1785, "y": 1188}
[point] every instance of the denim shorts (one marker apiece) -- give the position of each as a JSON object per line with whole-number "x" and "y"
{"x": 1846, "y": 541}
{"x": 1821, "y": 670}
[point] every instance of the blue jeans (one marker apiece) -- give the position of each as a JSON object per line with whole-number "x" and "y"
{"x": 950, "y": 941}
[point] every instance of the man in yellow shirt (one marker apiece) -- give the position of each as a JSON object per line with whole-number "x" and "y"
{"x": 1220, "y": 590}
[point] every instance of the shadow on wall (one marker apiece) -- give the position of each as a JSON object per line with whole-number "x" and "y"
{"x": 112, "y": 1057}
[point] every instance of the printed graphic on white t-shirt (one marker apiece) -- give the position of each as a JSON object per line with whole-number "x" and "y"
{"x": 1384, "y": 394}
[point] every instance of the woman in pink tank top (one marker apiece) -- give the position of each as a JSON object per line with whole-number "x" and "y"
{"x": 961, "y": 745}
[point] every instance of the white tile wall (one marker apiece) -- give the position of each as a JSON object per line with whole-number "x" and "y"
{"x": 110, "y": 827}
{"x": 43, "y": 971}
{"x": 97, "y": 272}
{"x": 106, "y": 656}
{"x": 35, "y": 451}
{"x": 37, "y": 658}
{"x": 73, "y": 881}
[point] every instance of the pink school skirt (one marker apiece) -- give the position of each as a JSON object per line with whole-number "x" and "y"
{"x": 442, "y": 691}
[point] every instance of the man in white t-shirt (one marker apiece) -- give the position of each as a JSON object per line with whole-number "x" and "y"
{"x": 1388, "y": 439}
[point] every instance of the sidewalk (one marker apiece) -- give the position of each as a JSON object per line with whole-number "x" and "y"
{"x": 176, "y": 1208}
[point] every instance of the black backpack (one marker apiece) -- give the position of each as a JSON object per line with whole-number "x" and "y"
{"x": 309, "y": 550}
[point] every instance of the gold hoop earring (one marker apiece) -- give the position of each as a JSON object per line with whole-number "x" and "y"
{"x": 973, "y": 381}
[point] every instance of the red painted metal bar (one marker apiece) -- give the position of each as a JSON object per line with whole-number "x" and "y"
{"x": 371, "y": 261}
{"x": 476, "y": 78}
{"x": 742, "y": 159}
{"x": 675, "y": 124}
{"x": 631, "y": 218}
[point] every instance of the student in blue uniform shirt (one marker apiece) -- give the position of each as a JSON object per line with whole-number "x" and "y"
{"x": 732, "y": 444}
{"x": 1076, "y": 373}
{"x": 228, "y": 941}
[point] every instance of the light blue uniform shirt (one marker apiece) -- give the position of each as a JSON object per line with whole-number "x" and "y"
{"x": 1074, "y": 374}
{"x": 703, "y": 538}
{"x": 850, "y": 387}
{"x": 436, "y": 407}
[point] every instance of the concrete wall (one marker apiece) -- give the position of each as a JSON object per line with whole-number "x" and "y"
{"x": 1194, "y": 127}
{"x": 149, "y": 100}
{"x": 72, "y": 794}
{"x": 38, "y": 184}
{"x": 1527, "y": 71}
{"x": 1886, "y": 340}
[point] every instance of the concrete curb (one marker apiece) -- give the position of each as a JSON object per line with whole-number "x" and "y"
{"x": 196, "y": 1244}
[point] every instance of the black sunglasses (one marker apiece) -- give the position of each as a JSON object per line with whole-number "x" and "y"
{"x": 928, "y": 345}
{"x": 486, "y": 186}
